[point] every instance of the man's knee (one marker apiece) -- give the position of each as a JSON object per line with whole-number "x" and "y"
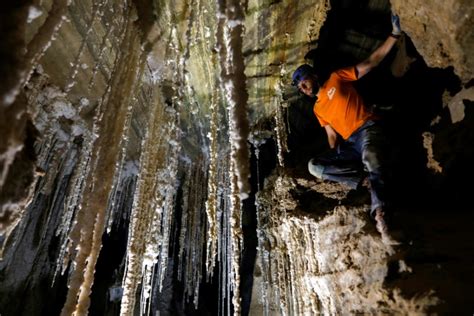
{"x": 315, "y": 169}
{"x": 371, "y": 160}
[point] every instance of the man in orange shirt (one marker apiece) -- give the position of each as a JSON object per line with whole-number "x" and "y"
{"x": 343, "y": 114}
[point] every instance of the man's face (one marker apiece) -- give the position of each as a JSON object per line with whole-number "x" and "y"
{"x": 308, "y": 86}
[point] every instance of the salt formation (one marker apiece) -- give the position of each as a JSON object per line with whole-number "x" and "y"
{"x": 192, "y": 233}
{"x": 84, "y": 236}
{"x": 280, "y": 129}
{"x": 229, "y": 38}
{"x": 317, "y": 20}
{"x": 212, "y": 190}
{"x": 330, "y": 266}
{"x": 151, "y": 222}
{"x": 92, "y": 168}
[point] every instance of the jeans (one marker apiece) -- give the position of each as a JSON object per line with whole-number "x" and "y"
{"x": 364, "y": 149}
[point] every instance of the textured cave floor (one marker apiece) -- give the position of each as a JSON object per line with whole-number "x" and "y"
{"x": 436, "y": 241}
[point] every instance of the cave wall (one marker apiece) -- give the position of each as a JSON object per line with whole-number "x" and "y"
{"x": 127, "y": 136}
{"x": 451, "y": 21}
{"x": 94, "y": 110}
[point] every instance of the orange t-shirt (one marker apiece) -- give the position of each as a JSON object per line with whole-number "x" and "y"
{"x": 340, "y": 105}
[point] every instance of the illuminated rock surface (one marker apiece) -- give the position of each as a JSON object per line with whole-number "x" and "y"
{"x": 153, "y": 158}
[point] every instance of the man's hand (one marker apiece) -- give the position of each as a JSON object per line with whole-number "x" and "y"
{"x": 396, "y": 29}
{"x": 332, "y": 136}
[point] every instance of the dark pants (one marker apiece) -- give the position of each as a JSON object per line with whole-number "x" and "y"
{"x": 365, "y": 149}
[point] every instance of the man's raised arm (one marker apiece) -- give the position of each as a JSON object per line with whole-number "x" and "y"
{"x": 379, "y": 54}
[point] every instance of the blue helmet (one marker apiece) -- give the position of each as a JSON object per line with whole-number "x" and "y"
{"x": 302, "y": 72}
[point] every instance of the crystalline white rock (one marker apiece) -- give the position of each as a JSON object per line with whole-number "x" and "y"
{"x": 242, "y": 195}
{"x": 39, "y": 69}
{"x": 207, "y": 32}
{"x": 53, "y": 92}
{"x": 77, "y": 130}
{"x": 234, "y": 23}
{"x": 64, "y": 109}
{"x": 33, "y": 13}
{"x": 185, "y": 159}
{"x": 69, "y": 86}
{"x": 10, "y": 96}
{"x": 61, "y": 135}
{"x": 84, "y": 102}
{"x": 130, "y": 168}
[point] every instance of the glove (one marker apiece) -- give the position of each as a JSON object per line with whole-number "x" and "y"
{"x": 396, "y": 29}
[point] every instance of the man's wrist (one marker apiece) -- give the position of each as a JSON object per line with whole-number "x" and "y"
{"x": 395, "y": 36}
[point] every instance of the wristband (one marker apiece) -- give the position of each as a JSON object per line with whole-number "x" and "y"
{"x": 396, "y": 36}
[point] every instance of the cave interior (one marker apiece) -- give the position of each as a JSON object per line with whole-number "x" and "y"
{"x": 431, "y": 157}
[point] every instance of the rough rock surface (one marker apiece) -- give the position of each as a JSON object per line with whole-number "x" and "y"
{"x": 320, "y": 258}
{"x": 442, "y": 32}
{"x": 333, "y": 263}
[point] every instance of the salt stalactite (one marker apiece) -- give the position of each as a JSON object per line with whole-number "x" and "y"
{"x": 184, "y": 238}
{"x": 152, "y": 213}
{"x": 257, "y": 141}
{"x": 120, "y": 164}
{"x": 193, "y": 224}
{"x": 158, "y": 238}
{"x": 43, "y": 156}
{"x": 170, "y": 188}
{"x": 62, "y": 153}
{"x": 72, "y": 205}
{"x": 235, "y": 238}
{"x": 212, "y": 186}
{"x": 97, "y": 11}
{"x": 192, "y": 233}
{"x": 224, "y": 251}
{"x": 229, "y": 43}
{"x": 138, "y": 225}
{"x": 90, "y": 221}
{"x": 229, "y": 39}
{"x": 64, "y": 163}
{"x": 124, "y": 195}
{"x": 280, "y": 129}
{"x": 185, "y": 234}
{"x": 149, "y": 232}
